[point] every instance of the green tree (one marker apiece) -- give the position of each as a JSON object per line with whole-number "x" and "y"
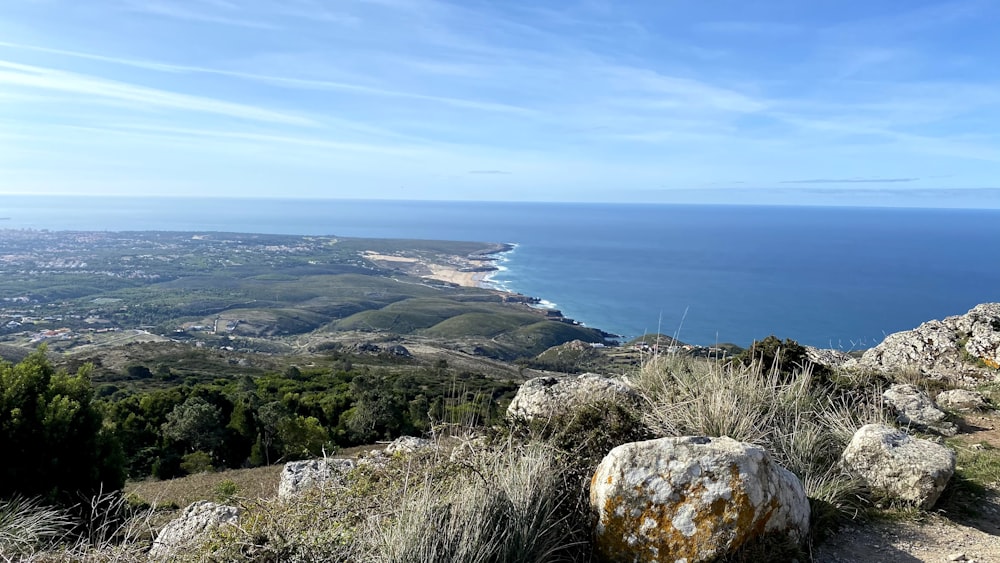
{"x": 195, "y": 422}
{"x": 303, "y": 437}
{"x": 51, "y": 434}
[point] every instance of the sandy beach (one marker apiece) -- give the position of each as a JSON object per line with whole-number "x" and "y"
{"x": 453, "y": 275}
{"x": 449, "y": 269}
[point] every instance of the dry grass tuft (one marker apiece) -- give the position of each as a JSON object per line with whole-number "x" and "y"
{"x": 805, "y": 424}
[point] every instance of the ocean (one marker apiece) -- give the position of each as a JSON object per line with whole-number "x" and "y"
{"x": 829, "y": 277}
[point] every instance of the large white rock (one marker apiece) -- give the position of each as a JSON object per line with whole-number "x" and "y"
{"x": 961, "y": 400}
{"x": 898, "y": 465}
{"x": 914, "y": 408}
{"x": 947, "y": 348}
{"x": 692, "y": 499}
{"x": 191, "y": 528}
{"x": 545, "y": 397}
{"x": 298, "y": 476}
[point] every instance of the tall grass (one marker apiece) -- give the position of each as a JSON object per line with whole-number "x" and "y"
{"x": 104, "y": 529}
{"x": 28, "y": 526}
{"x": 490, "y": 505}
{"x": 804, "y": 423}
{"x": 507, "y": 508}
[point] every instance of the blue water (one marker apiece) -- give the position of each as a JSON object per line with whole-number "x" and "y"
{"x": 831, "y": 277}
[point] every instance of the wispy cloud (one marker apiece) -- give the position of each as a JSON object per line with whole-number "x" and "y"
{"x": 288, "y": 82}
{"x": 184, "y": 12}
{"x": 852, "y": 181}
{"x": 768, "y": 28}
{"x": 34, "y": 77}
{"x": 587, "y": 93}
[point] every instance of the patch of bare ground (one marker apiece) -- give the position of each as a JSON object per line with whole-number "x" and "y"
{"x": 965, "y": 526}
{"x": 253, "y": 483}
{"x": 258, "y": 482}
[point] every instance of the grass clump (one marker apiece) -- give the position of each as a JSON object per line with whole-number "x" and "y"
{"x": 501, "y": 503}
{"x": 508, "y": 507}
{"x": 977, "y": 472}
{"x": 803, "y": 421}
{"x": 108, "y": 527}
{"x": 28, "y": 526}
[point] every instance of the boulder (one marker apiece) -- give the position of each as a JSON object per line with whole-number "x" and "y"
{"x": 898, "y": 465}
{"x": 545, "y": 397}
{"x": 961, "y": 400}
{"x": 191, "y": 528}
{"x": 914, "y": 408}
{"x": 692, "y": 499}
{"x": 298, "y": 476}
{"x": 409, "y": 445}
{"x": 963, "y": 345}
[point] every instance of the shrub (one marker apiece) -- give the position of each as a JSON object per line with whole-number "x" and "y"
{"x": 782, "y": 357}
{"x": 226, "y": 491}
{"x": 196, "y": 462}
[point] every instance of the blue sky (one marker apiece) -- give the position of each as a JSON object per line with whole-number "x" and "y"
{"x": 818, "y": 102}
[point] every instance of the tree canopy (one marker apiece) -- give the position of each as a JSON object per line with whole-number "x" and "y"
{"x": 51, "y": 435}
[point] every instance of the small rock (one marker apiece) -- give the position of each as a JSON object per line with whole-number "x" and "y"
{"x": 961, "y": 400}
{"x": 957, "y": 557}
{"x": 375, "y": 459}
{"x": 191, "y": 527}
{"x": 899, "y": 465}
{"x": 827, "y": 357}
{"x": 914, "y": 408}
{"x": 298, "y": 476}
{"x": 409, "y": 445}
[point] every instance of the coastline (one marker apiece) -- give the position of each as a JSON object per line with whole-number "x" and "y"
{"x": 472, "y": 270}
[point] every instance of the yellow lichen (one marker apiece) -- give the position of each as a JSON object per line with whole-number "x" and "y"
{"x": 719, "y": 526}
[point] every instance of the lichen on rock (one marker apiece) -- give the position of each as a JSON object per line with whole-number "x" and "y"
{"x": 693, "y": 499}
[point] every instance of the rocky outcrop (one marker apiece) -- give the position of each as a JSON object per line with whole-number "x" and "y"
{"x": 898, "y": 465}
{"x": 191, "y": 528}
{"x": 961, "y": 400}
{"x": 692, "y": 499}
{"x": 409, "y": 445}
{"x": 298, "y": 476}
{"x": 957, "y": 346}
{"x": 915, "y": 409}
{"x": 545, "y": 397}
